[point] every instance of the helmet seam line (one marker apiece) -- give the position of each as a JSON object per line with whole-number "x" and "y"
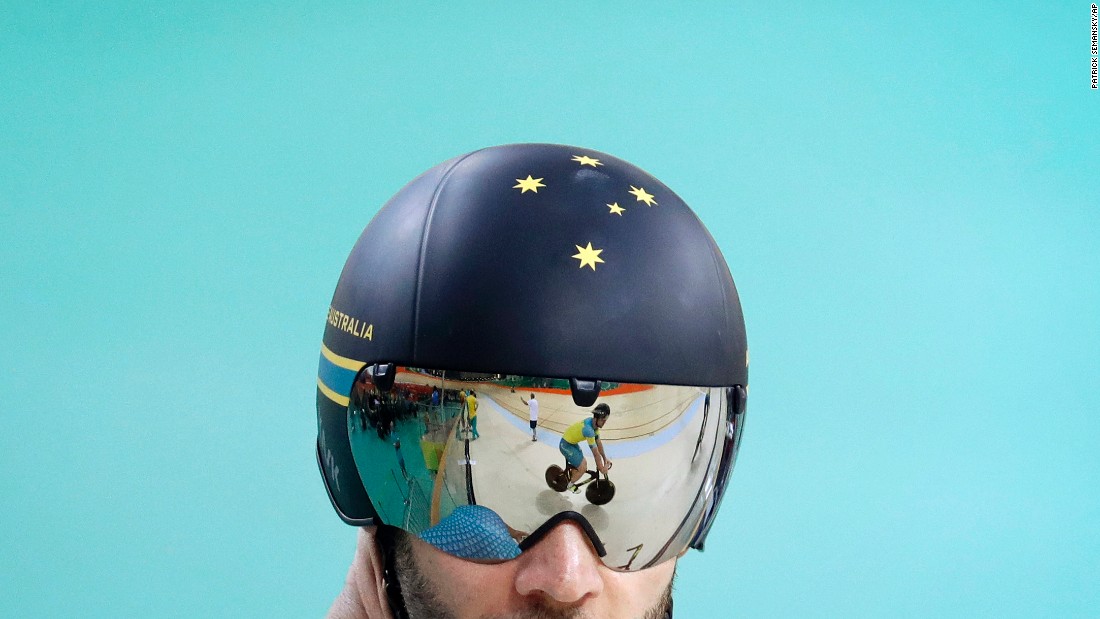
{"x": 424, "y": 248}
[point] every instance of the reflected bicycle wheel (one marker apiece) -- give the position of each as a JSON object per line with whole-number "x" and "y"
{"x": 600, "y": 492}
{"x": 556, "y": 478}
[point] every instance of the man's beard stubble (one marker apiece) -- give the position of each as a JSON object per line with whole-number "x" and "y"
{"x": 423, "y": 601}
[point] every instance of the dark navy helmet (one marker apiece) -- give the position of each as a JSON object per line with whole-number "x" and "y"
{"x": 541, "y": 267}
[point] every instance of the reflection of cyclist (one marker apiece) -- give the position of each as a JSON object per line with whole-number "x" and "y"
{"x": 588, "y": 429}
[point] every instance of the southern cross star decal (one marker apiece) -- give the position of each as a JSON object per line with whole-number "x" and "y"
{"x": 529, "y": 184}
{"x": 586, "y": 160}
{"x": 642, "y": 196}
{"x": 588, "y": 256}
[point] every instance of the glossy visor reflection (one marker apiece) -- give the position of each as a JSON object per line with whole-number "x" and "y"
{"x": 423, "y": 456}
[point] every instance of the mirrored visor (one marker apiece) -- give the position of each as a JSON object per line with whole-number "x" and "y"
{"x": 482, "y": 465}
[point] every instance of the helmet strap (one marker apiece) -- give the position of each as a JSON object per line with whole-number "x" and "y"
{"x": 386, "y": 538}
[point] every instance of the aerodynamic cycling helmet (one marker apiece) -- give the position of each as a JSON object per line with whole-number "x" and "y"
{"x": 546, "y": 269}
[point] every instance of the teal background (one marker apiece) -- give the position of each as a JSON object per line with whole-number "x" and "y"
{"x": 907, "y": 197}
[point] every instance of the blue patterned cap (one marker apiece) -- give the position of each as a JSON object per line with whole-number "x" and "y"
{"x": 473, "y": 532}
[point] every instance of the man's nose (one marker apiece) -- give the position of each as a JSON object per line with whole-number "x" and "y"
{"x": 562, "y": 567}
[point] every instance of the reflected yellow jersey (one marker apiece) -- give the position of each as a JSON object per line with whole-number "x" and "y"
{"x": 580, "y": 431}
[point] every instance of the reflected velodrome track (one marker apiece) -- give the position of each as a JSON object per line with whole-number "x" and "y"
{"x": 650, "y": 427}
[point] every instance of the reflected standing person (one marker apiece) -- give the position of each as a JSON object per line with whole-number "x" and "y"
{"x": 533, "y": 415}
{"x": 471, "y": 412}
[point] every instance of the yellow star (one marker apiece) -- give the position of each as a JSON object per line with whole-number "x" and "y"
{"x": 616, "y": 209}
{"x": 642, "y": 195}
{"x": 528, "y": 184}
{"x": 588, "y": 256}
{"x": 586, "y": 160}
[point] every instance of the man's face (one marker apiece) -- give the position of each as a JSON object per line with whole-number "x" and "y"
{"x": 560, "y": 577}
